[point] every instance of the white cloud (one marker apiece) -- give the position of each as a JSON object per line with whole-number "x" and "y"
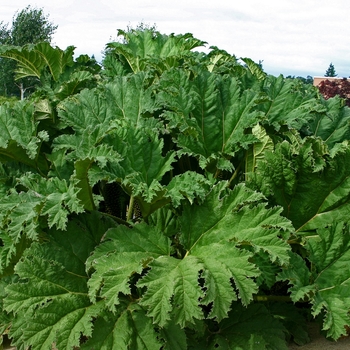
{"x": 294, "y": 37}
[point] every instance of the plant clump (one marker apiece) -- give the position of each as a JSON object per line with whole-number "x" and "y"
{"x": 170, "y": 199}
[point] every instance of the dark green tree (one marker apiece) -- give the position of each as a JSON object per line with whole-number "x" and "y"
{"x": 6, "y": 66}
{"x": 330, "y": 72}
{"x": 308, "y": 80}
{"x": 29, "y": 26}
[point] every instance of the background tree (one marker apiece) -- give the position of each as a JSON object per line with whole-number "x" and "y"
{"x": 29, "y": 26}
{"x": 330, "y": 72}
{"x": 308, "y": 80}
{"x": 6, "y": 66}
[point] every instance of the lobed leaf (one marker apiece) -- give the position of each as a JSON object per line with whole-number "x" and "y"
{"x": 33, "y": 59}
{"x": 287, "y": 103}
{"x": 126, "y": 98}
{"x": 329, "y": 253}
{"x": 249, "y": 328}
{"x": 236, "y": 215}
{"x": 127, "y": 328}
{"x": 18, "y": 132}
{"x": 212, "y": 241}
{"x": 50, "y": 300}
{"x": 124, "y": 253}
{"x": 175, "y": 278}
{"x": 189, "y": 185}
{"x": 57, "y": 198}
{"x": 327, "y": 285}
{"x": 141, "y": 46}
{"x": 226, "y": 110}
{"x": 332, "y": 123}
{"x": 299, "y": 276}
{"x": 310, "y": 184}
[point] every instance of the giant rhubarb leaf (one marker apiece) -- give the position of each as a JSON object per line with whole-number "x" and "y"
{"x": 21, "y": 213}
{"x": 126, "y": 98}
{"x": 332, "y": 123}
{"x": 113, "y": 141}
{"x": 189, "y": 185}
{"x": 33, "y": 59}
{"x": 58, "y": 198}
{"x": 142, "y": 47}
{"x": 20, "y": 139}
{"x": 256, "y": 152}
{"x": 252, "y": 328}
{"x": 114, "y": 267}
{"x": 212, "y": 235}
{"x": 327, "y": 285}
{"x": 141, "y": 169}
{"x": 287, "y": 103}
{"x": 330, "y": 254}
{"x": 311, "y": 183}
{"x": 127, "y": 327}
{"x": 215, "y": 125}
{"x": 50, "y": 301}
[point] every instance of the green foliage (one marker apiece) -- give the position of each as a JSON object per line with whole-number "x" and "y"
{"x": 308, "y": 80}
{"x": 172, "y": 200}
{"x": 4, "y": 99}
{"x": 29, "y": 26}
{"x": 33, "y": 59}
{"x": 330, "y": 72}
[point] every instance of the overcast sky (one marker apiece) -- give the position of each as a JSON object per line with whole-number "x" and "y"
{"x": 291, "y": 37}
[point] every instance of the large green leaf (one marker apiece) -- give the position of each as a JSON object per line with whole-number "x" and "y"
{"x": 19, "y": 214}
{"x": 50, "y": 301}
{"x": 104, "y": 122}
{"x": 58, "y": 198}
{"x": 142, "y": 46}
{"x": 142, "y": 168}
{"x": 251, "y": 328}
{"x": 332, "y": 124}
{"x": 87, "y": 110}
{"x": 127, "y": 328}
{"x": 214, "y": 115}
{"x": 327, "y": 285}
{"x": 299, "y": 276}
{"x": 125, "y": 98}
{"x": 330, "y": 254}
{"x": 140, "y": 245}
{"x": 256, "y": 152}
{"x": 311, "y": 184}
{"x": 20, "y": 139}
{"x": 213, "y": 236}
{"x": 213, "y": 239}
{"x": 287, "y": 102}
{"x": 22, "y": 213}
{"x": 254, "y": 68}
{"x": 238, "y": 216}
{"x": 77, "y": 81}
{"x": 189, "y": 185}
{"x": 112, "y": 132}
{"x": 173, "y": 290}
{"x": 81, "y": 152}
{"x": 33, "y": 59}
{"x": 125, "y": 252}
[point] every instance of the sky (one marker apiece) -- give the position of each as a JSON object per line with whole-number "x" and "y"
{"x": 290, "y": 37}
